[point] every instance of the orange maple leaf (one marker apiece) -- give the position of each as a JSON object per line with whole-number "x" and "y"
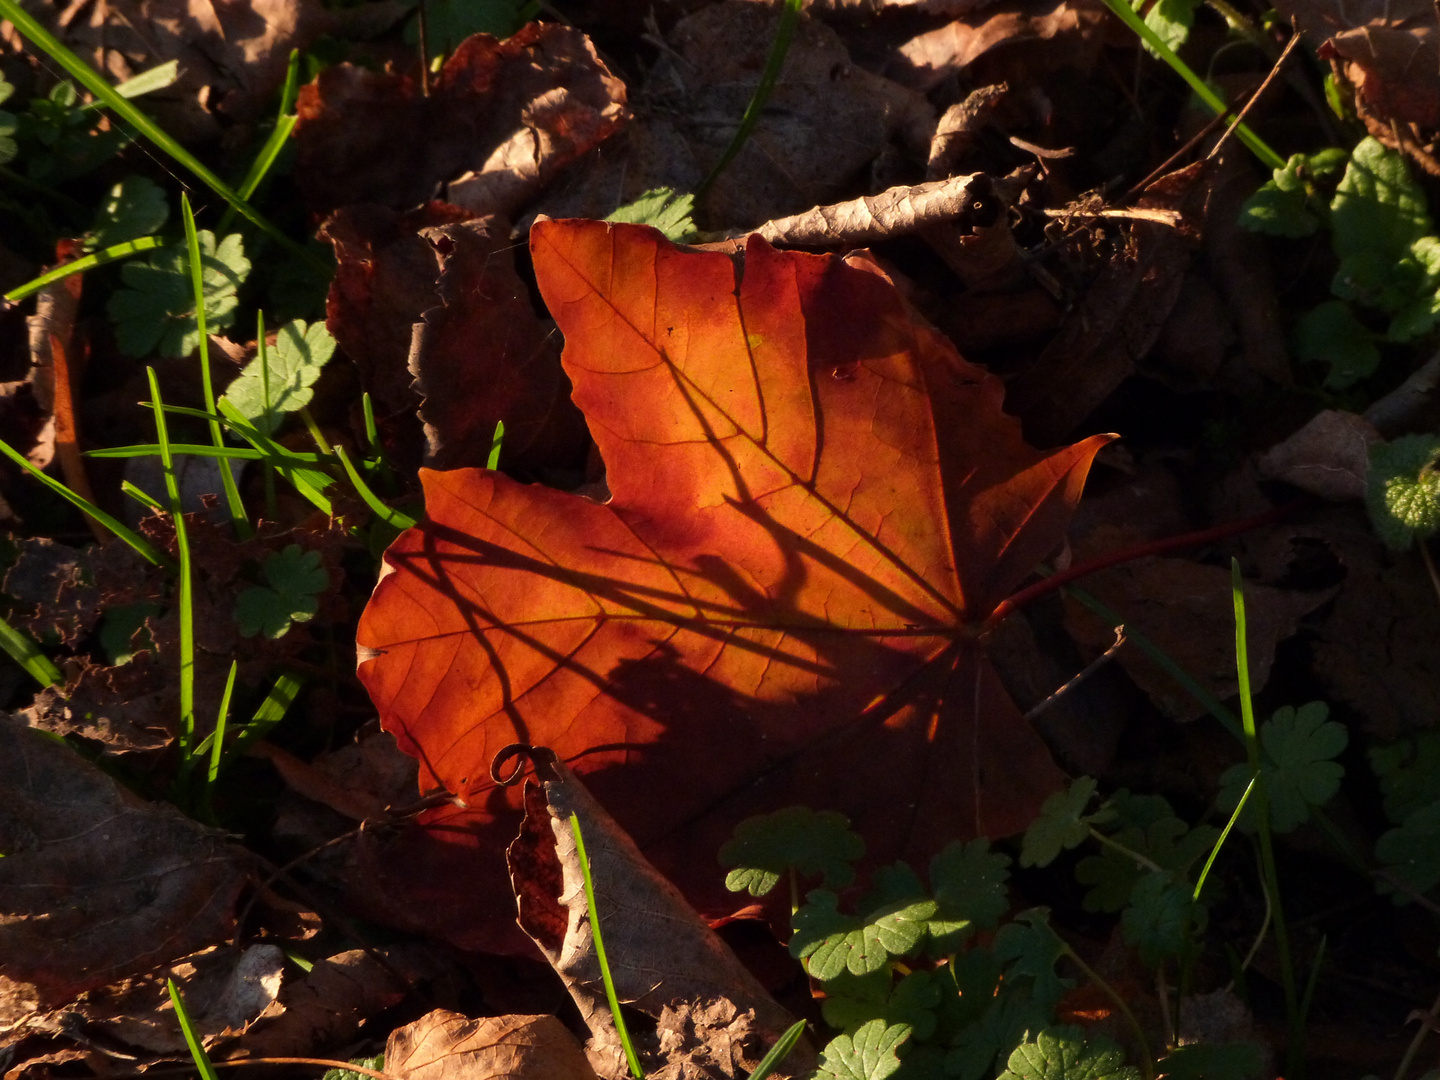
{"x": 815, "y": 504}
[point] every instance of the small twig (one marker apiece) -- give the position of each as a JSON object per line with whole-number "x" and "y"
{"x": 1129, "y": 853}
{"x": 1173, "y": 218}
{"x": 1090, "y": 669}
{"x": 328, "y": 1063}
{"x": 1147, "y": 1063}
{"x": 1255, "y": 97}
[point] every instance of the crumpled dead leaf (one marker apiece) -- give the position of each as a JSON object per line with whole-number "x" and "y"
{"x": 662, "y": 956}
{"x": 445, "y": 1045}
{"x": 96, "y": 884}
{"x": 1389, "y": 50}
{"x": 70, "y": 588}
{"x": 502, "y": 119}
{"x": 484, "y": 356}
{"x": 827, "y": 122}
{"x": 893, "y": 212}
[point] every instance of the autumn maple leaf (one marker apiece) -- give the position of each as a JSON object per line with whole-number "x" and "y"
{"x": 815, "y": 504}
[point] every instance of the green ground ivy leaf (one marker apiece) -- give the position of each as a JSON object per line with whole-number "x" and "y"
{"x": 293, "y": 578}
{"x": 1062, "y": 1053}
{"x": 969, "y": 886}
{"x": 833, "y": 942}
{"x": 292, "y": 366}
{"x": 1283, "y": 205}
{"x": 1028, "y": 949}
{"x": 1171, "y": 20}
{"x": 1062, "y": 824}
{"x": 1329, "y": 333}
{"x": 868, "y": 1054}
{"x": 1298, "y": 766}
{"x": 1402, "y": 490}
{"x": 851, "y": 1001}
{"x": 1161, "y": 917}
{"x": 663, "y": 209}
{"x": 135, "y": 207}
{"x": 1214, "y": 1061}
{"x": 1411, "y": 853}
{"x": 1409, "y": 773}
{"x": 809, "y": 841}
{"x": 155, "y": 312}
{"x": 377, "y": 1062}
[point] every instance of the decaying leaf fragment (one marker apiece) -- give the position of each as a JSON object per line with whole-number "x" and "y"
{"x": 445, "y": 1045}
{"x": 816, "y": 505}
{"x": 664, "y": 959}
{"x": 96, "y": 884}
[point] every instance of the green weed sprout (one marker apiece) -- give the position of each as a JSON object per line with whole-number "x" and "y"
{"x": 192, "y": 1040}
{"x": 22, "y": 648}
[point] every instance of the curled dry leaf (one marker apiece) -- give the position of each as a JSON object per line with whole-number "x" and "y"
{"x": 662, "y": 955}
{"x": 95, "y": 884}
{"x": 483, "y": 356}
{"x": 501, "y": 120}
{"x": 445, "y": 1045}
{"x": 1388, "y": 49}
{"x": 816, "y": 505}
{"x": 894, "y": 212}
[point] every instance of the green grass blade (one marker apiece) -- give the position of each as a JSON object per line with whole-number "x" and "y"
{"x": 271, "y": 711}
{"x": 779, "y": 1051}
{"x": 284, "y": 125}
{"x": 184, "y": 595}
{"x": 147, "y": 82}
{"x": 302, "y": 480}
{"x": 493, "y": 461}
{"x": 789, "y": 18}
{"x": 217, "y": 738}
{"x": 22, "y": 648}
{"x": 630, "y": 1056}
{"x": 180, "y": 450}
{"x": 1131, "y": 18}
{"x": 114, "y": 253}
{"x": 1220, "y": 841}
{"x": 372, "y": 430}
{"x": 143, "y": 547}
{"x": 144, "y": 498}
{"x": 93, "y": 81}
{"x": 197, "y": 1051}
{"x": 1294, "y": 1062}
{"x": 207, "y": 389}
{"x": 396, "y": 518}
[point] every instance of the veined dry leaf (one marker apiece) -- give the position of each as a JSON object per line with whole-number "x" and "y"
{"x": 445, "y": 1045}
{"x": 816, "y": 505}
{"x": 664, "y": 959}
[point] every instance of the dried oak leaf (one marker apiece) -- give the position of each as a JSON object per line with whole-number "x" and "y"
{"x": 816, "y": 504}
{"x": 1388, "y": 49}
{"x": 501, "y": 120}
{"x": 448, "y": 1046}
{"x": 96, "y": 885}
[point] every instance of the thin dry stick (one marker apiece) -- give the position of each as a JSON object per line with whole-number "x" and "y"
{"x": 1427, "y": 1021}
{"x": 1255, "y": 97}
{"x": 328, "y": 1063}
{"x": 1090, "y": 669}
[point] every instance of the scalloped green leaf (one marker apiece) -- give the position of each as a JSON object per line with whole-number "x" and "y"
{"x": 1062, "y": 824}
{"x": 1063, "y": 1053}
{"x": 868, "y": 1054}
{"x": 832, "y": 942}
{"x": 1297, "y": 764}
{"x": 294, "y": 578}
{"x": 284, "y": 383}
{"x": 155, "y": 312}
{"x": 1403, "y": 489}
{"x": 808, "y": 841}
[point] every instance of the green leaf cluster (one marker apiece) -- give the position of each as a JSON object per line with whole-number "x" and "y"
{"x": 1297, "y": 767}
{"x": 1409, "y": 774}
{"x": 58, "y": 137}
{"x": 900, "y": 1009}
{"x": 663, "y": 209}
{"x": 293, "y": 580}
{"x": 281, "y": 381}
{"x": 1290, "y": 204}
{"x": 1402, "y": 490}
{"x": 1063, "y": 1053}
{"x": 133, "y": 208}
{"x": 155, "y": 312}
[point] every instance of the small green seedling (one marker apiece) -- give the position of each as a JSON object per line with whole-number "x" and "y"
{"x": 1403, "y": 490}
{"x": 192, "y": 1039}
{"x": 155, "y": 312}
{"x": 1064, "y": 1053}
{"x": 293, "y": 580}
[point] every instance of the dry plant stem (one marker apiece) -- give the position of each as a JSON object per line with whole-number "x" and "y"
{"x": 1427, "y": 1022}
{"x": 1132, "y": 855}
{"x": 1255, "y": 97}
{"x": 1015, "y": 602}
{"x": 1147, "y": 1059}
{"x": 1090, "y": 669}
{"x": 328, "y": 1063}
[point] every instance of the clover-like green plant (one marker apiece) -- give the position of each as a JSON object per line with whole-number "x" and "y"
{"x": 293, "y": 580}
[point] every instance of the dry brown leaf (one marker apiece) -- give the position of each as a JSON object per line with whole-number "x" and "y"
{"x": 1186, "y": 609}
{"x": 484, "y": 356}
{"x": 1329, "y": 456}
{"x": 1388, "y": 49}
{"x": 1072, "y": 32}
{"x": 501, "y": 120}
{"x": 445, "y": 1045}
{"x": 661, "y": 954}
{"x": 96, "y": 885}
